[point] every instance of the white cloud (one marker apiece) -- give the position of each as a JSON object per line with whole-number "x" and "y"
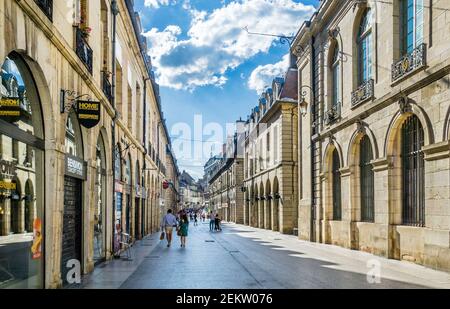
{"x": 263, "y": 75}
{"x": 156, "y": 3}
{"x": 216, "y": 42}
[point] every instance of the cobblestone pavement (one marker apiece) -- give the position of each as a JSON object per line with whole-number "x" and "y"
{"x": 242, "y": 257}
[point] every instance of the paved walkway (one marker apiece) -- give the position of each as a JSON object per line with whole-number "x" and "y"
{"x": 242, "y": 257}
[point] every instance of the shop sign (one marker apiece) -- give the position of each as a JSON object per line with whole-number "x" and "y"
{"x": 7, "y": 169}
{"x": 10, "y": 108}
{"x": 4, "y": 185}
{"x": 166, "y": 185}
{"x": 75, "y": 167}
{"x": 138, "y": 191}
{"x": 118, "y": 187}
{"x": 88, "y": 113}
{"x": 144, "y": 193}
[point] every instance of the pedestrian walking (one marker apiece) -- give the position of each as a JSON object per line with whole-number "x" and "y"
{"x": 212, "y": 221}
{"x": 217, "y": 220}
{"x": 183, "y": 230}
{"x": 168, "y": 222}
{"x": 195, "y": 219}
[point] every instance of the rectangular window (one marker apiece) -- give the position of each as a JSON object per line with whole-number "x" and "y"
{"x": 336, "y": 85}
{"x": 412, "y": 23}
{"x": 275, "y": 144}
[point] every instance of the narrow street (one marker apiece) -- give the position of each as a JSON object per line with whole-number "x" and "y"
{"x": 241, "y": 257}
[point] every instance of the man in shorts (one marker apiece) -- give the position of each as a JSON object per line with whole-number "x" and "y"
{"x": 168, "y": 222}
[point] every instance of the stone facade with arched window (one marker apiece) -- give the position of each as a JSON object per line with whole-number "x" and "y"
{"x": 270, "y": 158}
{"x": 58, "y": 198}
{"x": 391, "y": 136}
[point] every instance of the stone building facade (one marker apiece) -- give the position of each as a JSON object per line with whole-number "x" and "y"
{"x": 191, "y": 192}
{"x": 59, "y": 202}
{"x": 225, "y": 186}
{"x": 270, "y": 158}
{"x": 374, "y": 147}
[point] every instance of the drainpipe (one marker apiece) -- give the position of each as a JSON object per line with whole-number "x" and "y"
{"x": 313, "y": 107}
{"x": 115, "y": 12}
{"x": 144, "y": 139}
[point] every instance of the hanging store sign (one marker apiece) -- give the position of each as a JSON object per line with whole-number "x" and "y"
{"x": 166, "y": 185}
{"x": 75, "y": 167}
{"x": 118, "y": 187}
{"x": 88, "y": 113}
{"x": 4, "y": 185}
{"x": 138, "y": 191}
{"x": 10, "y": 108}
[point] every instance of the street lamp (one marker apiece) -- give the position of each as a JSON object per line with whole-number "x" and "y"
{"x": 302, "y": 104}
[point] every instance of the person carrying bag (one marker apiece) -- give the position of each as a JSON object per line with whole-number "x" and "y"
{"x": 167, "y": 224}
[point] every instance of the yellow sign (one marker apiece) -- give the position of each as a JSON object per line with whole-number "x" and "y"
{"x": 10, "y": 113}
{"x": 89, "y": 106}
{"x": 87, "y": 116}
{"x": 9, "y": 102}
{"x": 7, "y": 185}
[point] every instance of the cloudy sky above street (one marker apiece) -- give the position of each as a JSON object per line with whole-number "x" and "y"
{"x": 208, "y": 65}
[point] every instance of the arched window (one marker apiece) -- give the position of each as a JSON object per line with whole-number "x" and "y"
{"x": 22, "y": 146}
{"x": 413, "y": 212}
{"x": 337, "y": 206}
{"x": 365, "y": 48}
{"x": 411, "y": 25}
{"x": 366, "y": 180}
{"x": 336, "y": 78}
{"x": 100, "y": 213}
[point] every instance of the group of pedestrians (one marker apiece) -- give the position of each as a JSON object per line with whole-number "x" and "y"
{"x": 214, "y": 222}
{"x": 180, "y": 223}
{"x": 170, "y": 222}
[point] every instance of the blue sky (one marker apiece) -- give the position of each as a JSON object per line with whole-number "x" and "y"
{"x": 208, "y": 65}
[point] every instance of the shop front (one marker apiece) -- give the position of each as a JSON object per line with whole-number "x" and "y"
{"x": 75, "y": 174}
{"x": 22, "y": 253}
{"x": 128, "y": 199}
{"x": 137, "y": 204}
{"x": 100, "y": 206}
{"x": 118, "y": 191}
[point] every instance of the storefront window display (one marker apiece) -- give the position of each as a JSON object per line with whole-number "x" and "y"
{"x": 99, "y": 214}
{"x": 21, "y": 178}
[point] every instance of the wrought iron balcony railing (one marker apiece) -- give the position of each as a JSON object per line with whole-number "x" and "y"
{"x": 46, "y": 7}
{"x": 364, "y": 93}
{"x": 107, "y": 88}
{"x": 333, "y": 114}
{"x": 409, "y": 63}
{"x": 83, "y": 50}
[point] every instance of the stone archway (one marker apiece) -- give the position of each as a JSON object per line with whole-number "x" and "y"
{"x": 268, "y": 207}
{"x": 247, "y": 206}
{"x": 255, "y": 207}
{"x": 276, "y": 205}
{"x": 261, "y": 202}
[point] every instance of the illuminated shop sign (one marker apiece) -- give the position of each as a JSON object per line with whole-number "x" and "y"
{"x": 10, "y": 107}
{"x": 88, "y": 113}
